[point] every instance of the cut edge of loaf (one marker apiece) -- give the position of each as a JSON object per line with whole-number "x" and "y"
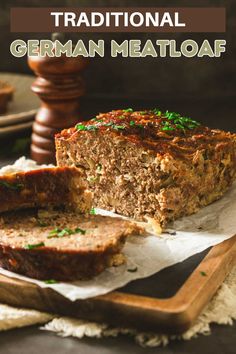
{"x": 46, "y": 187}
{"x": 131, "y": 179}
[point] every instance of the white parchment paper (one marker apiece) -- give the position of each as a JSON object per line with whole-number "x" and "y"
{"x": 148, "y": 255}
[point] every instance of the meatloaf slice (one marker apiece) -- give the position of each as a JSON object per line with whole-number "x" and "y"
{"x": 45, "y": 187}
{"x": 150, "y": 163}
{"x": 60, "y": 245}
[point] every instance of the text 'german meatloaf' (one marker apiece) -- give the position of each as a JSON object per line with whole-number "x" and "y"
{"x": 61, "y": 245}
{"x": 150, "y": 163}
{"x": 44, "y": 188}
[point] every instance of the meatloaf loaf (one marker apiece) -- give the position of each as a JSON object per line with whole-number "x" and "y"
{"x": 61, "y": 245}
{"x": 150, "y": 163}
{"x": 43, "y": 188}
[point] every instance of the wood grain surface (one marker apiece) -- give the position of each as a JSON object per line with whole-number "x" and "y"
{"x": 173, "y": 315}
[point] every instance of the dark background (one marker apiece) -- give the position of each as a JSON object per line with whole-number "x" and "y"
{"x": 203, "y": 88}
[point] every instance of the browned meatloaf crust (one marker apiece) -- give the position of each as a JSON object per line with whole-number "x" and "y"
{"x": 150, "y": 163}
{"x": 45, "y": 187}
{"x": 61, "y": 245}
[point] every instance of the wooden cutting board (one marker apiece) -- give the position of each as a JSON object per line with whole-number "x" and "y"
{"x": 173, "y": 315}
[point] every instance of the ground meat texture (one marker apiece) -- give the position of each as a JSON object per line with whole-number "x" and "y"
{"x": 45, "y": 187}
{"x": 61, "y": 245}
{"x": 142, "y": 164}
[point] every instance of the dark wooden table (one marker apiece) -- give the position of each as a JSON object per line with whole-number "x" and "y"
{"x": 31, "y": 340}
{"x": 164, "y": 284}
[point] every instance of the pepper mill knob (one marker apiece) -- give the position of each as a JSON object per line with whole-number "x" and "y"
{"x": 59, "y": 87}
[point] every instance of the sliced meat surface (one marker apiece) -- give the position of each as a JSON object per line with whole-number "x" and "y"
{"x": 61, "y": 245}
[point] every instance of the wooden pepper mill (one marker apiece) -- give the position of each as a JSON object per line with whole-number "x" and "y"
{"x": 59, "y": 86}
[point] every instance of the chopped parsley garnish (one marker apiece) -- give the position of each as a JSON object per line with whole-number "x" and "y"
{"x": 94, "y": 127}
{"x": 91, "y": 127}
{"x": 108, "y": 124}
{"x": 133, "y": 270}
{"x": 41, "y": 223}
{"x": 96, "y": 119}
{"x": 99, "y": 168}
{"x": 167, "y": 126}
{"x": 170, "y": 121}
{"x": 36, "y": 245}
{"x": 176, "y": 121}
{"x": 204, "y": 274}
{"x": 82, "y": 127}
{"x": 128, "y": 110}
{"x": 179, "y": 126}
{"x": 114, "y": 126}
{"x": 172, "y": 233}
{"x": 92, "y": 211}
{"x": 50, "y": 281}
{"x": 80, "y": 231}
{"x": 12, "y": 186}
{"x": 156, "y": 111}
{"x": 133, "y": 124}
{"x": 181, "y": 122}
{"x": 118, "y": 127}
{"x": 92, "y": 179}
{"x": 55, "y": 231}
{"x": 171, "y": 115}
{"x": 65, "y": 232}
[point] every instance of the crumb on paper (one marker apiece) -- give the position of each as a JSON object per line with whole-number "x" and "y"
{"x": 155, "y": 225}
{"x": 51, "y": 281}
{"x": 117, "y": 260}
{"x": 132, "y": 270}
